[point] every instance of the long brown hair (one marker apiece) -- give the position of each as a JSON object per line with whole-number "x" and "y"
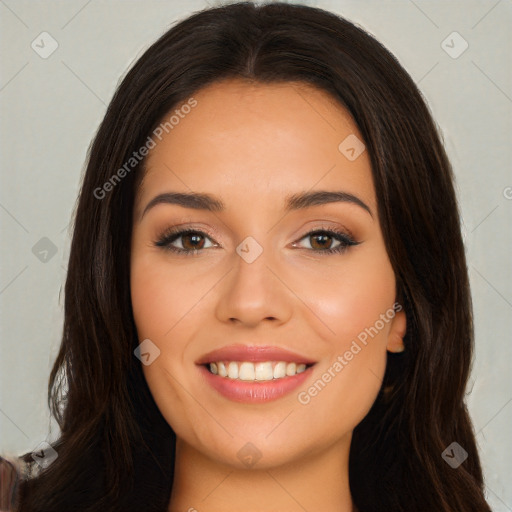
{"x": 115, "y": 450}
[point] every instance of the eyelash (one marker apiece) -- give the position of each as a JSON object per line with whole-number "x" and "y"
{"x": 172, "y": 234}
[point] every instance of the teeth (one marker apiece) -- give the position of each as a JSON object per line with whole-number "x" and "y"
{"x": 291, "y": 369}
{"x": 233, "y": 370}
{"x": 279, "y": 370}
{"x": 221, "y": 369}
{"x": 264, "y": 371}
{"x": 248, "y": 371}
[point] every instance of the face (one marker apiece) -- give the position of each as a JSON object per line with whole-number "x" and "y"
{"x": 291, "y": 298}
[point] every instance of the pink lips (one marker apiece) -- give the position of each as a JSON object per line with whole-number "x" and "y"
{"x": 253, "y": 391}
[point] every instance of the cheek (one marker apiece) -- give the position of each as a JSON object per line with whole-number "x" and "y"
{"x": 162, "y": 294}
{"x": 150, "y": 298}
{"x": 355, "y": 302}
{"x": 160, "y": 301}
{"x": 349, "y": 298}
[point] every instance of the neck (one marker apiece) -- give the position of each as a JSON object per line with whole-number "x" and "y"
{"x": 315, "y": 482}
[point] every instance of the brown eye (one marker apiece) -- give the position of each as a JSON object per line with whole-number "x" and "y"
{"x": 321, "y": 241}
{"x": 184, "y": 242}
{"x": 192, "y": 241}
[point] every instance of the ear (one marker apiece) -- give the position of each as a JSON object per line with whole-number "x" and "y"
{"x": 397, "y": 332}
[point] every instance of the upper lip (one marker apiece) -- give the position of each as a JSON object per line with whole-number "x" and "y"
{"x": 253, "y": 353}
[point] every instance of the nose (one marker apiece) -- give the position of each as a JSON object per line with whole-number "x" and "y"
{"x": 254, "y": 290}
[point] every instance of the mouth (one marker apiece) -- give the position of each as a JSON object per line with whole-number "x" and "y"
{"x": 254, "y": 374}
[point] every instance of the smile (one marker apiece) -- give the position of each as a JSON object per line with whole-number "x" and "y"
{"x": 254, "y": 374}
{"x": 249, "y": 371}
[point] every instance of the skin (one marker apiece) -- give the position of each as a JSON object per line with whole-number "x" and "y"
{"x": 251, "y": 145}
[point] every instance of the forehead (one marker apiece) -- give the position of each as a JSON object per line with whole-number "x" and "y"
{"x": 252, "y": 142}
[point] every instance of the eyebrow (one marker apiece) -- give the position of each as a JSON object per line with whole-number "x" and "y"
{"x": 299, "y": 201}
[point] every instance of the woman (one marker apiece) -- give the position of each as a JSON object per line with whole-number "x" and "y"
{"x": 267, "y": 303}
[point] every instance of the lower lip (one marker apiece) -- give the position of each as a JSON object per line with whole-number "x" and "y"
{"x": 254, "y": 391}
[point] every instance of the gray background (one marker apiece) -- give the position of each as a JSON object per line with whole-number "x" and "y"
{"x": 51, "y": 108}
